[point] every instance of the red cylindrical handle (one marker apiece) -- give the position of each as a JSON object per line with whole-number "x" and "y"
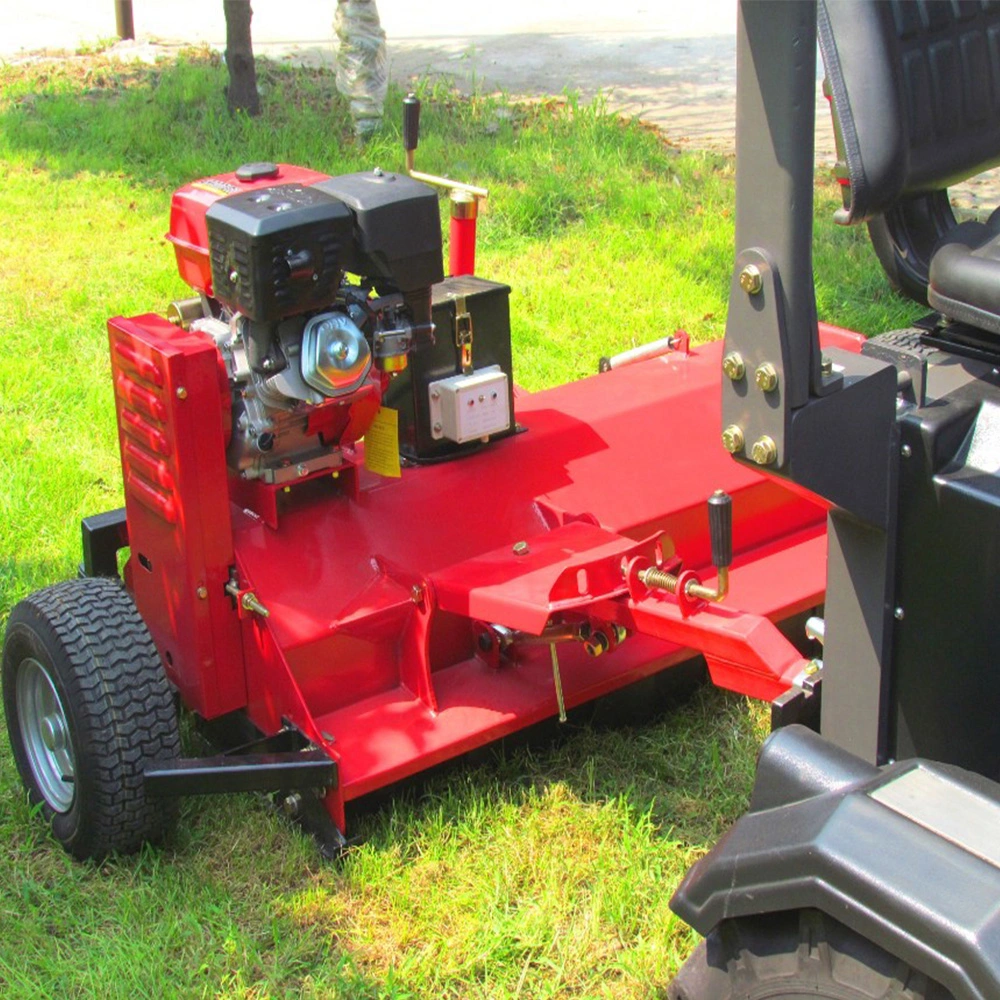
{"x": 462, "y": 234}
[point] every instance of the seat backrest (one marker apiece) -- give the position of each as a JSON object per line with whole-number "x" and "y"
{"x": 915, "y": 86}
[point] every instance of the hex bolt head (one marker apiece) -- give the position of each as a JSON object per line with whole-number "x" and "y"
{"x": 750, "y": 279}
{"x": 521, "y": 548}
{"x": 764, "y": 451}
{"x": 733, "y": 366}
{"x": 766, "y": 377}
{"x": 732, "y": 439}
{"x": 202, "y": 593}
{"x": 906, "y": 451}
{"x": 826, "y": 364}
{"x": 181, "y": 392}
{"x": 899, "y": 614}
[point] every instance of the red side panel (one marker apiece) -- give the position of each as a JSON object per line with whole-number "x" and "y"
{"x": 170, "y": 425}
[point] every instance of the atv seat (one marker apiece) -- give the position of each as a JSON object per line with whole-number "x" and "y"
{"x": 915, "y": 94}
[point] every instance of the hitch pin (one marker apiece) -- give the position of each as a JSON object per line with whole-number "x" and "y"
{"x": 558, "y": 682}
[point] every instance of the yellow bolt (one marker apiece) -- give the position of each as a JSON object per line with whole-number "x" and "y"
{"x": 733, "y": 366}
{"x": 750, "y": 279}
{"x": 732, "y": 439}
{"x": 766, "y": 377}
{"x": 764, "y": 451}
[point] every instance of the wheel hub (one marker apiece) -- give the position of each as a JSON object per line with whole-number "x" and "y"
{"x": 45, "y": 734}
{"x": 53, "y": 733}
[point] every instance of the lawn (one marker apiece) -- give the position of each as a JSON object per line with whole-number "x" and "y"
{"x": 531, "y": 872}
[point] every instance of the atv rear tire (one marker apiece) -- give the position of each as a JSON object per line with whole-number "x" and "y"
{"x": 88, "y": 708}
{"x": 794, "y": 956}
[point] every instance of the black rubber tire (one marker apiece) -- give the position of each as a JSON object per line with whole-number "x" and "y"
{"x": 88, "y": 638}
{"x": 794, "y": 956}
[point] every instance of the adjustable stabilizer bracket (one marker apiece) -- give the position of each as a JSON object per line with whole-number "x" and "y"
{"x": 906, "y": 856}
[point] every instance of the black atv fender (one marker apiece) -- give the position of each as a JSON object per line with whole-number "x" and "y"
{"x": 907, "y": 856}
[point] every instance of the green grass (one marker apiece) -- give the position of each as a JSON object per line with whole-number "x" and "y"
{"x": 530, "y": 873}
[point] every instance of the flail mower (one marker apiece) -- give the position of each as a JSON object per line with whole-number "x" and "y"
{"x": 357, "y": 549}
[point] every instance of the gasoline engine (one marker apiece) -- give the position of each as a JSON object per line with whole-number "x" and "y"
{"x": 317, "y": 292}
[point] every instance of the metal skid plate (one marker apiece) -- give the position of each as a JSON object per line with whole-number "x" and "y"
{"x": 470, "y": 407}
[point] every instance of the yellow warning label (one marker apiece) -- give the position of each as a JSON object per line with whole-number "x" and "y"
{"x": 382, "y": 444}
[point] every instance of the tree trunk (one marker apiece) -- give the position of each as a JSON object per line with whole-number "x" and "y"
{"x": 241, "y": 94}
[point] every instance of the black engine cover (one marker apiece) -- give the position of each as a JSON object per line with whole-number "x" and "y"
{"x": 278, "y": 251}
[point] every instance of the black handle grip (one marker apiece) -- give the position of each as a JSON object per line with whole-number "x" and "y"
{"x": 720, "y": 527}
{"x": 411, "y": 122}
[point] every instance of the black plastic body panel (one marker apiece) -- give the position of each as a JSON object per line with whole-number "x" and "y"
{"x": 397, "y": 228}
{"x": 819, "y": 836}
{"x": 278, "y": 251}
{"x": 488, "y": 304}
{"x": 944, "y": 695}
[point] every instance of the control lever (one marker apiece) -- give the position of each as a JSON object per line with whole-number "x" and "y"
{"x": 411, "y": 128}
{"x": 720, "y": 530}
{"x": 411, "y": 137}
{"x": 464, "y": 198}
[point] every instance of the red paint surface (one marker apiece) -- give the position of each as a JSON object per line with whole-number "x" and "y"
{"x": 461, "y": 246}
{"x": 373, "y": 590}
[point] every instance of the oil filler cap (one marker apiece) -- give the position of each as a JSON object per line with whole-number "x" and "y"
{"x": 256, "y": 171}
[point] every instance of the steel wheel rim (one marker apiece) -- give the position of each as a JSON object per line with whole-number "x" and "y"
{"x": 45, "y": 735}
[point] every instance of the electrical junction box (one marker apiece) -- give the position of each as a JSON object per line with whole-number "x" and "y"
{"x": 470, "y": 407}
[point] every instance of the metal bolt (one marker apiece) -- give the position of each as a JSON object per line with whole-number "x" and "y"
{"x": 417, "y": 593}
{"x": 250, "y": 603}
{"x": 899, "y": 614}
{"x": 302, "y": 470}
{"x": 750, "y": 279}
{"x": 906, "y": 451}
{"x": 435, "y": 394}
{"x": 202, "y": 593}
{"x": 733, "y": 366}
{"x": 181, "y": 392}
{"x": 732, "y": 439}
{"x": 764, "y": 451}
{"x": 826, "y": 364}
{"x": 234, "y": 275}
{"x": 292, "y": 804}
{"x": 437, "y": 427}
{"x": 766, "y": 377}
{"x": 521, "y": 548}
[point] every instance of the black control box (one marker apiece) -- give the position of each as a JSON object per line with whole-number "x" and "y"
{"x": 466, "y": 311}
